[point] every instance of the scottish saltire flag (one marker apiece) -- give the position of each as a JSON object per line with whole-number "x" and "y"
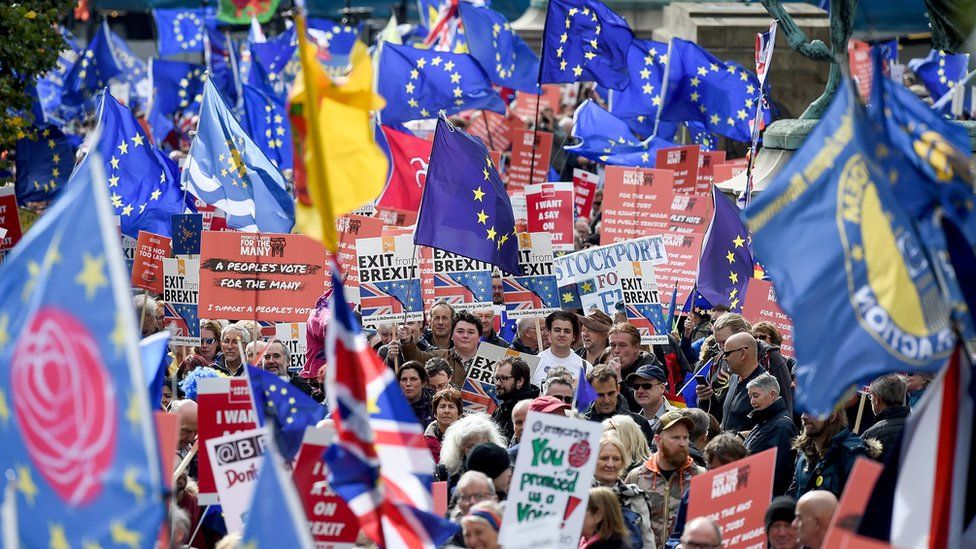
{"x": 226, "y": 169}
{"x": 720, "y": 95}
{"x": 607, "y": 139}
{"x": 379, "y": 462}
{"x": 134, "y": 73}
{"x": 507, "y": 59}
{"x": 266, "y": 121}
{"x": 182, "y": 30}
{"x": 93, "y": 70}
{"x": 80, "y": 440}
{"x": 153, "y": 352}
{"x": 282, "y": 403}
{"x": 177, "y": 89}
{"x": 465, "y": 209}
{"x": 647, "y": 64}
{"x": 939, "y": 71}
{"x": 725, "y": 265}
{"x": 44, "y": 158}
{"x": 584, "y": 40}
{"x": 864, "y": 284}
{"x": 431, "y": 83}
{"x": 276, "y": 517}
{"x": 586, "y": 395}
{"x": 141, "y": 180}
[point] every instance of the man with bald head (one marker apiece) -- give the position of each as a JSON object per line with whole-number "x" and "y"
{"x": 740, "y": 353}
{"x": 702, "y": 532}
{"x": 813, "y": 513}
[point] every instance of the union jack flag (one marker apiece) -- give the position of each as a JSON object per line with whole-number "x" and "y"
{"x": 379, "y": 462}
{"x": 530, "y": 293}
{"x": 648, "y": 318}
{"x": 448, "y": 32}
{"x": 375, "y": 302}
{"x": 478, "y": 396}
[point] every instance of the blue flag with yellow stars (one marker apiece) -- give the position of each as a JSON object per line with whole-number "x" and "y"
{"x": 465, "y": 208}
{"x": 80, "y": 440}
{"x": 226, "y": 168}
{"x": 427, "y": 84}
{"x": 181, "y": 30}
{"x": 142, "y": 182}
{"x": 266, "y": 121}
{"x": 134, "y": 73}
{"x": 725, "y": 265}
{"x": 187, "y": 232}
{"x": 276, "y": 517}
{"x": 608, "y": 139}
{"x": 647, "y": 63}
{"x": 720, "y": 95}
{"x": 584, "y": 40}
{"x": 92, "y": 71}
{"x": 863, "y": 288}
{"x": 177, "y": 88}
{"x": 507, "y": 59}
{"x": 44, "y": 159}
{"x": 286, "y": 406}
{"x": 50, "y": 84}
{"x": 273, "y": 66}
{"x": 940, "y": 72}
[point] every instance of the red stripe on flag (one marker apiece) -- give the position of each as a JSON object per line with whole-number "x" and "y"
{"x": 945, "y": 456}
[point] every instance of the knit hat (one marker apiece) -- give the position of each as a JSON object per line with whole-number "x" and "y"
{"x": 489, "y": 458}
{"x": 781, "y": 508}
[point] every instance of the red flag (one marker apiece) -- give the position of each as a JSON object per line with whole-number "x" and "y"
{"x": 410, "y": 156}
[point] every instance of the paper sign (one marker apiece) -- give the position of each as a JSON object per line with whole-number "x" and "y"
{"x": 728, "y": 170}
{"x": 147, "y": 269}
{"x": 535, "y": 293}
{"x": 584, "y": 190}
{"x": 389, "y": 283}
{"x": 128, "y": 246}
{"x": 168, "y": 437}
{"x": 862, "y": 70}
{"x": 527, "y": 104}
{"x": 461, "y": 280}
{"x": 224, "y": 407}
{"x": 854, "y": 501}
{"x": 213, "y": 218}
{"x": 330, "y": 521}
{"x": 438, "y": 489}
{"x": 683, "y": 251}
{"x": 522, "y": 163}
{"x": 478, "y": 392}
{"x": 552, "y": 476}
{"x": 9, "y": 218}
{"x": 260, "y": 276}
{"x": 550, "y": 210}
{"x": 736, "y": 497}
{"x": 236, "y": 460}
{"x": 351, "y": 228}
{"x": 294, "y": 336}
{"x": 642, "y": 303}
{"x": 393, "y": 217}
{"x": 761, "y": 304}
{"x": 636, "y": 203}
{"x": 520, "y": 211}
{"x": 492, "y": 128}
{"x": 690, "y": 213}
{"x": 706, "y": 171}
{"x": 683, "y": 161}
{"x": 181, "y": 294}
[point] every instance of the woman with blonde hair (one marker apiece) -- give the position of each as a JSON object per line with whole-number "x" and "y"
{"x": 463, "y": 435}
{"x": 603, "y": 523}
{"x": 633, "y": 439}
{"x": 612, "y": 461}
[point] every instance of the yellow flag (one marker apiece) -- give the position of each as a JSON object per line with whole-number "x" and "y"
{"x": 343, "y": 168}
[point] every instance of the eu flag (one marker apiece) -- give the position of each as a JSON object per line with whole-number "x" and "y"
{"x": 44, "y": 159}
{"x": 939, "y": 71}
{"x": 647, "y": 63}
{"x": 177, "y": 88}
{"x": 92, "y": 71}
{"x": 80, "y": 439}
{"x": 584, "y": 40}
{"x": 226, "y": 169}
{"x": 187, "y": 232}
{"x": 50, "y": 85}
{"x": 272, "y": 70}
{"x": 720, "y": 95}
{"x": 266, "y": 121}
{"x": 287, "y": 407}
{"x": 608, "y": 139}
{"x": 725, "y": 265}
{"x": 429, "y": 83}
{"x": 181, "y": 30}
{"x": 862, "y": 289}
{"x": 507, "y": 59}
{"x": 465, "y": 208}
{"x": 276, "y": 517}
{"x": 134, "y": 73}
{"x": 142, "y": 182}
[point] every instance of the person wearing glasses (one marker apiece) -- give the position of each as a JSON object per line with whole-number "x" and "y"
{"x": 209, "y": 340}
{"x": 740, "y": 355}
{"x": 511, "y": 386}
{"x": 559, "y": 387}
{"x": 649, "y": 384}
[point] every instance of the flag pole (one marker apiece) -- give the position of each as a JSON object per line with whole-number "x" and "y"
{"x": 538, "y": 81}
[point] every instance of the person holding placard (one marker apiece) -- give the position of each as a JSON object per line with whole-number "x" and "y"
{"x": 466, "y": 337}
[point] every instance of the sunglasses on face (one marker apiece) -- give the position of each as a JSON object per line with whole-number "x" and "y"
{"x": 208, "y": 340}
{"x": 643, "y": 386}
{"x": 568, "y": 399}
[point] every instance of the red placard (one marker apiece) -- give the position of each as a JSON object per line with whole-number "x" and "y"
{"x": 494, "y": 130}
{"x": 260, "y": 276}
{"x": 853, "y": 502}
{"x": 330, "y": 521}
{"x": 584, "y": 189}
{"x": 761, "y": 305}
{"x": 736, "y": 497}
{"x": 862, "y": 69}
{"x": 706, "y": 170}
{"x": 147, "y": 268}
{"x": 683, "y": 253}
{"x": 550, "y": 210}
{"x": 9, "y": 218}
{"x": 168, "y": 437}
{"x": 636, "y": 203}
{"x": 683, "y": 161}
{"x": 224, "y": 407}
{"x": 213, "y": 219}
{"x": 525, "y": 103}
{"x": 350, "y": 228}
{"x": 728, "y": 170}
{"x": 521, "y": 170}
{"x": 690, "y": 213}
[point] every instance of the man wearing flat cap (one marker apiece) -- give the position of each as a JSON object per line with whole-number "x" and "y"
{"x": 649, "y": 384}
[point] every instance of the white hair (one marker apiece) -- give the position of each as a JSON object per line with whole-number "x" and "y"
{"x": 463, "y": 430}
{"x": 245, "y": 334}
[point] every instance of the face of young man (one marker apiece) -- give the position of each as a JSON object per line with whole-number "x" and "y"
{"x": 505, "y": 383}
{"x": 466, "y": 338}
{"x": 606, "y": 396}
{"x": 561, "y": 334}
{"x": 624, "y": 348}
{"x": 439, "y": 381}
{"x": 673, "y": 446}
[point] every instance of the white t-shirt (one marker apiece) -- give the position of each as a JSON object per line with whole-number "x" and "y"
{"x": 547, "y": 360}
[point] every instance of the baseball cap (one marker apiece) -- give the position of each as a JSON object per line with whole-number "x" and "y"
{"x": 549, "y": 405}
{"x": 672, "y": 418}
{"x": 648, "y": 371}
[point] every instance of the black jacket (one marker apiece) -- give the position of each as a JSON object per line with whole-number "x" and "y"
{"x": 736, "y": 407}
{"x": 502, "y": 416}
{"x": 775, "y": 429}
{"x": 888, "y": 429}
{"x": 773, "y": 362}
{"x": 423, "y": 408}
{"x": 494, "y": 339}
{"x": 622, "y": 410}
{"x": 517, "y": 345}
{"x": 830, "y": 472}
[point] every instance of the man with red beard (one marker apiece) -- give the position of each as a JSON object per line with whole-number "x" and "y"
{"x": 666, "y": 476}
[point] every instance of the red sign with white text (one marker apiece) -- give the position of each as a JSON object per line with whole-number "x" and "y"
{"x": 550, "y": 210}
{"x": 584, "y": 190}
{"x": 224, "y": 407}
{"x": 351, "y": 228}
{"x": 683, "y": 161}
{"x": 147, "y": 268}
{"x": 636, "y": 203}
{"x": 706, "y": 171}
{"x": 9, "y": 218}
{"x": 853, "y": 502}
{"x": 736, "y": 497}
{"x": 494, "y": 130}
{"x": 330, "y": 521}
{"x": 522, "y": 169}
{"x": 683, "y": 252}
{"x": 690, "y": 213}
{"x": 761, "y": 305}
{"x": 525, "y": 103}
{"x": 728, "y": 170}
